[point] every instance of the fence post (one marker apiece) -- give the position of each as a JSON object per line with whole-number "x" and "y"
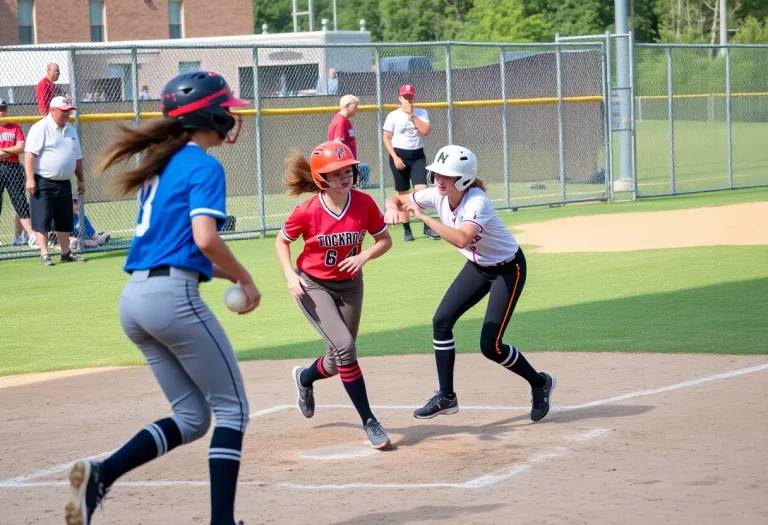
{"x": 728, "y": 114}
{"x": 448, "y": 94}
{"x": 75, "y": 99}
{"x": 504, "y": 132}
{"x": 671, "y": 117}
{"x": 632, "y": 121}
{"x": 380, "y": 123}
{"x": 606, "y": 118}
{"x": 135, "y": 84}
{"x": 609, "y": 104}
{"x": 259, "y": 163}
{"x": 560, "y": 137}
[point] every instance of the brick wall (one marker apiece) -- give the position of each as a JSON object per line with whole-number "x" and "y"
{"x": 136, "y": 20}
{"x": 60, "y": 21}
{"x": 207, "y": 18}
{"x": 9, "y": 29}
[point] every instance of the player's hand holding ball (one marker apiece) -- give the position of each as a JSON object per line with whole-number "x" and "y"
{"x": 242, "y": 298}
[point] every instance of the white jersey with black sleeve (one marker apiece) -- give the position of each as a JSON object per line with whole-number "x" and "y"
{"x": 494, "y": 243}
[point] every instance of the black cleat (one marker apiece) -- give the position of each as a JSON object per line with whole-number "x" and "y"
{"x": 439, "y": 405}
{"x": 408, "y": 235}
{"x": 542, "y": 398}
{"x": 86, "y": 481}
{"x": 306, "y": 399}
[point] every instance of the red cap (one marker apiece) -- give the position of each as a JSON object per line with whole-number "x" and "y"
{"x": 407, "y": 89}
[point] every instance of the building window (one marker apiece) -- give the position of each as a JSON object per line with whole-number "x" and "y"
{"x": 174, "y": 20}
{"x": 96, "y": 14}
{"x": 188, "y": 67}
{"x": 26, "y": 22}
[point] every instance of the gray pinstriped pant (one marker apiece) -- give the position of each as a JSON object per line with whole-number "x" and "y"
{"x": 187, "y": 349}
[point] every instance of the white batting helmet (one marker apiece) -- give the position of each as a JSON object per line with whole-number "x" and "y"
{"x": 454, "y": 161}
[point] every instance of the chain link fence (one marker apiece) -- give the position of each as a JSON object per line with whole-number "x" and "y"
{"x": 701, "y": 117}
{"x": 534, "y": 114}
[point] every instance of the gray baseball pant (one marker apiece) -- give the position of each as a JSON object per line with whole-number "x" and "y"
{"x": 187, "y": 349}
{"x": 334, "y": 309}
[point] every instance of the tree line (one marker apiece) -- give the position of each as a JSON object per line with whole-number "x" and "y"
{"x": 677, "y": 21}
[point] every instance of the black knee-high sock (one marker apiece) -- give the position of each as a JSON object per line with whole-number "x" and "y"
{"x": 354, "y": 384}
{"x": 445, "y": 357}
{"x": 151, "y": 442}
{"x": 224, "y": 463}
{"x": 314, "y": 372}
{"x": 407, "y": 226}
{"x": 513, "y": 359}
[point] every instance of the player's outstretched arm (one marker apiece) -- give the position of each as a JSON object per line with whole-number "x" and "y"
{"x": 460, "y": 237}
{"x": 392, "y": 207}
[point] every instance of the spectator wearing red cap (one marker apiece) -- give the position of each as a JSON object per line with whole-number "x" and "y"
{"x": 52, "y": 157}
{"x": 404, "y": 132}
{"x": 46, "y": 89}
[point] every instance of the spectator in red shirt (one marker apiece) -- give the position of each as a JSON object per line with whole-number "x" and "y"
{"x": 46, "y": 89}
{"x": 12, "y": 176}
{"x": 341, "y": 129}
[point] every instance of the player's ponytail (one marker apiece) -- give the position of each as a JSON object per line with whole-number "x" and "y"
{"x": 478, "y": 183}
{"x": 298, "y": 176}
{"x": 157, "y": 140}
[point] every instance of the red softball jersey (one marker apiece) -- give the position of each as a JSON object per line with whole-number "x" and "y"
{"x": 330, "y": 238}
{"x": 10, "y": 135}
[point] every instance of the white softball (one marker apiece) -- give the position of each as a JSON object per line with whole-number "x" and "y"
{"x": 235, "y": 298}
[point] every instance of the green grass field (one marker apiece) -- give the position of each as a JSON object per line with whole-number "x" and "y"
{"x": 701, "y": 155}
{"x": 683, "y": 300}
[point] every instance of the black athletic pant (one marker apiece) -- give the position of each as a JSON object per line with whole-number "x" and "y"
{"x": 505, "y": 284}
{"x": 13, "y": 180}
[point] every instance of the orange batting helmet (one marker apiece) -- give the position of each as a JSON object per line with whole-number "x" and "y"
{"x": 329, "y": 157}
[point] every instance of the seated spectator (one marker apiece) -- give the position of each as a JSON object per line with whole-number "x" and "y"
{"x": 91, "y": 238}
{"x": 144, "y": 93}
{"x": 332, "y": 86}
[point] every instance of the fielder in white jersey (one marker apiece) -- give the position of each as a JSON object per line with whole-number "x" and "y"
{"x": 495, "y": 265}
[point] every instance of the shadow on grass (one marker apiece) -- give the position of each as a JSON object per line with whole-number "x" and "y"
{"x": 727, "y": 318}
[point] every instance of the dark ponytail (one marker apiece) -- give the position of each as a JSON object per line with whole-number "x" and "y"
{"x": 157, "y": 140}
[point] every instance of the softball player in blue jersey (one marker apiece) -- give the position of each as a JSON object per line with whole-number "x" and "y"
{"x": 177, "y": 246}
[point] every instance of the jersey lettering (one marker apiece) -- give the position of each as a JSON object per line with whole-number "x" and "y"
{"x": 340, "y": 239}
{"x": 147, "y": 196}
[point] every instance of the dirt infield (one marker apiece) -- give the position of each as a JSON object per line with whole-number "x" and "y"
{"x": 636, "y": 439}
{"x": 737, "y": 224}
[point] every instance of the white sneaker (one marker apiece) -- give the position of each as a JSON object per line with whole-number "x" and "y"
{"x": 104, "y": 238}
{"x": 32, "y": 242}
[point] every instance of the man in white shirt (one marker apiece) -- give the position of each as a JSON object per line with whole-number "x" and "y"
{"x": 404, "y": 132}
{"x": 52, "y": 157}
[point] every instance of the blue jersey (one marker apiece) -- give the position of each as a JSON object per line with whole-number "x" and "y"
{"x": 88, "y": 228}
{"x": 192, "y": 184}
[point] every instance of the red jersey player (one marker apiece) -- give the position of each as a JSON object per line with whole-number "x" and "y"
{"x": 327, "y": 282}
